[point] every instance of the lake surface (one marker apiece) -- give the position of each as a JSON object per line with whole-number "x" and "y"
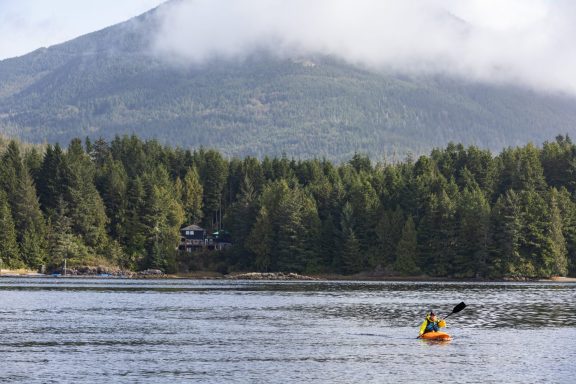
{"x": 64, "y": 330}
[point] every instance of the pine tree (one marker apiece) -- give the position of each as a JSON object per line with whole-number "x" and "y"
{"x": 34, "y": 249}
{"x": 27, "y": 213}
{"x": 85, "y": 206}
{"x": 240, "y": 221}
{"x": 290, "y": 248}
{"x": 63, "y": 244}
{"x": 52, "y": 179}
{"x": 330, "y": 244}
{"x": 11, "y": 168}
{"x": 261, "y": 241}
{"x": 112, "y": 185}
{"x": 213, "y": 174}
{"x": 438, "y": 235}
{"x": 163, "y": 217}
{"x": 352, "y": 256}
{"x": 536, "y": 262}
{"x": 9, "y": 252}
{"x": 568, "y": 214}
{"x": 559, "y": 163}
{"x": 389, "y": 232}
{"x": 351, "y": 253}
{"x": 556, "y": 251}
{"x": 407, "y": 250}
{"x": 135, "y": 231}
{"x": 24, "y": 205}
{"x": 473, "y": 217}
{"x": 192, "y": 192}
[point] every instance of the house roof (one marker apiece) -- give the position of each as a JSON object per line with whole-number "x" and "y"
{"x": 192, "y": 227}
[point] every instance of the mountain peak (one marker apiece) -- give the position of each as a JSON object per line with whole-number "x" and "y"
{"x": 110, "y": 82}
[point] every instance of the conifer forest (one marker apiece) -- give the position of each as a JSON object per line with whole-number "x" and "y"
{"x": 459, "y": 212}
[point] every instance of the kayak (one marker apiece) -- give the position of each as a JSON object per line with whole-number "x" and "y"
{"x": 442, "y": 336}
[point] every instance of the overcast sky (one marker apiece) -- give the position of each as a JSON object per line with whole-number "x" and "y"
{"x": 26, "y": 25}
{"x": 531, "y": 42}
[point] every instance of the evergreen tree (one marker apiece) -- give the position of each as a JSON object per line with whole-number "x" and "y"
{"x": 52, "y": 179}
{"x": 24, "y": 205}
{"x": 535, "y": 223}
{"x": 330, "y": 244}
{"x": 506, "y": 224}
{"x": 85, "y": 206}
{"x": 555, "y": 252}
{"x": 261, "y": 241}
{"x": 407, "y": 250}
{"x": 112, "y": 185}
{"x": 290, "y": 249}
{"x": 163, "y": 217}
{"x": 64, "y": 246}
{"x": 351, "y": 253}
{"x": 438, "y": 235}
{"x": 11, "y": 169}
{"x": 192, "y": 192}
{"x": 9, "y": 252}
{"x": 559, "y": 163}
{"x": 389, "y": 232}
{"x": 352, "y": 256}
{"x": 567, "y": 209}
{"x": 34, "y": 249}
{"x": 213, "y": 174}
{"x": 240, "y": 220}
{"x": 473, "y": 217}
{"x": 135, "y": 230}
{"x": 27, "y": 213}
{"x": 520, "y": 170}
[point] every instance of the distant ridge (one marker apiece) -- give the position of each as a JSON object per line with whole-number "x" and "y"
{"x": 106, "y": 83}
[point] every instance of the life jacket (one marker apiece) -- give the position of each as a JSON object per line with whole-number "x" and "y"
{"x": 424, "y": 326}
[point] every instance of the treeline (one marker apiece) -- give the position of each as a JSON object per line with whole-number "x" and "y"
{"x": 459, "y": 212}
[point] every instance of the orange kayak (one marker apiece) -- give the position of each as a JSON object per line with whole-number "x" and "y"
{"x": 442, "y": 336}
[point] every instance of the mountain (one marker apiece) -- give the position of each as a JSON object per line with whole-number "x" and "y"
{"x": 108, "y": 83}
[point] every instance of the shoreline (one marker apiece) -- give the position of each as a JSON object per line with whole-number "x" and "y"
{"x": 277, "y": 276}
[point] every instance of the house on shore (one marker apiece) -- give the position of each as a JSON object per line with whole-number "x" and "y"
{"x": 194, "y": 238}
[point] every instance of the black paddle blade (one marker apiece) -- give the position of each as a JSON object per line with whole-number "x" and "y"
{"x": 459, "y": 307}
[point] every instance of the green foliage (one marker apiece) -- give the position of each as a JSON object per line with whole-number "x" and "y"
{"x": 556, "y": 251}
{"x": 407, "y": 250}
{"x": 456, "y": 213}
{"x": 192, "y": 192}
{"x": 352, "y": 259}
{"x": 162, "y": 218}
{"x": 9, "y": 253}
{"x": 473, "y": 218}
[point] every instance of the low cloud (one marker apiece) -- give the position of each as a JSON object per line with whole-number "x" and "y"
{"x": 528, "y": 42}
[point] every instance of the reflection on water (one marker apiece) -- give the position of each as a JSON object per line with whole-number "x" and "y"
{"x": 109, "y": 330}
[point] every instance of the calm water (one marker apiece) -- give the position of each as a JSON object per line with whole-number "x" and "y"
{"x": 58, "y": 330}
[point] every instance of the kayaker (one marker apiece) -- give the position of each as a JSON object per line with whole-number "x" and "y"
{"x": 431, "y": 324}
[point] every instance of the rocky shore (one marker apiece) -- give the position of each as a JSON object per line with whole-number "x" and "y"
{"x": 102, "y": 271}
{"x": 87, "y": 271}
{"x": 269, "y": 276}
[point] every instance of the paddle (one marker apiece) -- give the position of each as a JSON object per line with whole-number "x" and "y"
{"x": 457, "y": 309}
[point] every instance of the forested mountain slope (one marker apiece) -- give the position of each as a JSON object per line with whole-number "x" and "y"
{"x": 107, "y": 83}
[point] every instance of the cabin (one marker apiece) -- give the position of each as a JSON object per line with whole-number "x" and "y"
{"x": 194, "y": 238}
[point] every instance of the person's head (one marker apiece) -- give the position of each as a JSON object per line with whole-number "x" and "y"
{"x": 432, "y": 316}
